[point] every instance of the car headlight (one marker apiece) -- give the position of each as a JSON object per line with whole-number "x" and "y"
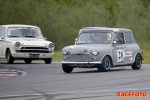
{"x": 51, "y": 45}
{"x": 65, "y": 51}
{"x": 17, "y": 45}
{"x": 94, "y": 52}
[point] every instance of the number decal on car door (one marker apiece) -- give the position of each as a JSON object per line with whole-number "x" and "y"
{"x": 120, "y": 55}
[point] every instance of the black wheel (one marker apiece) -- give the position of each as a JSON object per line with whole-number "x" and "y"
{"x": 27, "y": 61}
{"x": 67, "y": 69}
{"x": 48, "y": 60}
{"x": 106, "y": 64}
{"x": 137, "y": 63}
{"x": 10, "y": 58}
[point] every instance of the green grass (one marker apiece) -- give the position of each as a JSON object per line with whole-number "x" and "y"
{"x": 57, "y": 56}
{"x": 146, "y": 56}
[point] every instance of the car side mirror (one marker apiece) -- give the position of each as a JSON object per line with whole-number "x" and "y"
{"x": 45, "y": 38}
{"x": 114, "y": 42}
{"x": 75, "y": 40}
{"x": 1, "y": 39}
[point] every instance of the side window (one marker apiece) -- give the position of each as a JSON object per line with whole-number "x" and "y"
{"x": 129, "y": 38}
{"x": 132, "y": 38}
{"x": 120, "y": 38}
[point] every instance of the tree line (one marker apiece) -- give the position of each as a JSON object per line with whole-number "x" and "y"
{"x": 61, "y": 20}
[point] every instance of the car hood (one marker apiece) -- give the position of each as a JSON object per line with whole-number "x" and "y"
{"x": 85, "y": 48}
{"x": 30, "y": 41}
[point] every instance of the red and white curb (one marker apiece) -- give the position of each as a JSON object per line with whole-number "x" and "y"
{"x": 7, "y": 73}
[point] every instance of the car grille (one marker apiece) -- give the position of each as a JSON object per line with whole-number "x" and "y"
{"x": 34, "y": 49}
{"x": 80, "y": 58}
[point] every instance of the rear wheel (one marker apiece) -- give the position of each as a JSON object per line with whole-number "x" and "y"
{"x": 137, "y": 63}
{"x": 27, "y": 61}
{"x": 48, "y": 60}
{"x": 105, "y": 66}
{"x": 67, "y": 69}
{"x": 10, "y": 58}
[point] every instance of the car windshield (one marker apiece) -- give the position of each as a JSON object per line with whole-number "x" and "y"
{"x": 30, "y": 32}
{"x": 95, "y": 38}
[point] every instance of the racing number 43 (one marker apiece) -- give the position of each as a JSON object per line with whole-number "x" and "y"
{"x": 120, "y": 55}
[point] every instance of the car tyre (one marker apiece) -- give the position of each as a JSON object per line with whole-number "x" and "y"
{"x": 106, "y": 64}
{"x": 137, "y": 63}
{"x": 27, "y": 61}
{"x": 48, "y": 60}
{"x": 67, "y": 69}
{"x": 10, "y": 58}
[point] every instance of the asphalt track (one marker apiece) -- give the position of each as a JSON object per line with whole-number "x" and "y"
{"x": 40, "y": 81}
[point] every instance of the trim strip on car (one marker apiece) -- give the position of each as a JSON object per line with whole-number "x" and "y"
{"x": 63, "y": 62}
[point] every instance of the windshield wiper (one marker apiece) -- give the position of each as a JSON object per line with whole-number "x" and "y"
{"x": 81, "y": 43}
{"x": 30, "y": 36}
{"x": 85, "y": 43}
{"x": 14, "y": 36}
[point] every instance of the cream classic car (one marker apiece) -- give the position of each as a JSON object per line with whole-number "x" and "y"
{"x": 24, "y": 42}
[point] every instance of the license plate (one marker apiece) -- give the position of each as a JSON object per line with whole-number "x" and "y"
{"x": 34, "y": 55}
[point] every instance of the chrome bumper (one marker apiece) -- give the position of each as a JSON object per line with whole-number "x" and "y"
{"x": 64, "y": 62}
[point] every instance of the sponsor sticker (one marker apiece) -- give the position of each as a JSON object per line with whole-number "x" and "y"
{"x": 128, "y": 54}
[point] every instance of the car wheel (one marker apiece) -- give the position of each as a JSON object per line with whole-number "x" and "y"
{"x": 10, "y": 58}
{"x": 67, "y": 69}
{"x": 27, "y": 61}
{"x": 48, "y": 60}
{"x": 137, "y": 63}
{"x": 106, "y": 64}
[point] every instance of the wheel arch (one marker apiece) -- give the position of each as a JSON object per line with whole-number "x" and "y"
{"x": 109, "y": 58}
{"x": 136, "y": 55}
{"x": 6, "y": 51}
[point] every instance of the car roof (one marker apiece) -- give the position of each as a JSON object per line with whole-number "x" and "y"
{"x": 105, "y": 29}
{"x": 18, "y": 25}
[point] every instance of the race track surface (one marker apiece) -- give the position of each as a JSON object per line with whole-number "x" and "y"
{"x": 40, "y": 81}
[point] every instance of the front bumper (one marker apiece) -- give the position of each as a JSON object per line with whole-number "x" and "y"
{"x": 64, "y": 62}
{"x": 26, "y": 55}
{"x": 81, "y": 64}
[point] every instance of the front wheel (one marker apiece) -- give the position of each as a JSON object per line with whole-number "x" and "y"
{"x": 10, "y": 58}
{"x": 67, "y": 69}
{"x": 137, "y": 63}
{"x": 48, "y": 60}
{"x": 105, "y": 66}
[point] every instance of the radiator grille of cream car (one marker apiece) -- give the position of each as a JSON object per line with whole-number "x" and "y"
{"x": 35, "y": 49}
{"x": 80, "y": 57}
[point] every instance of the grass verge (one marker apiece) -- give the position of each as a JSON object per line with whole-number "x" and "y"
{"x": 57, "y": 56}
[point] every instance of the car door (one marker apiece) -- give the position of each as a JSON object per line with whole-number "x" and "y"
{"x": 120, "y": 49}
{"x": 131, "y": 47}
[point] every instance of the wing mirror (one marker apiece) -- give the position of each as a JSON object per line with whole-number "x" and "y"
{"x": 45, "y": 38}
{"x": 1, "y": 39}
{"x": 75, "y": 40}
{"x": 114, "y": 42}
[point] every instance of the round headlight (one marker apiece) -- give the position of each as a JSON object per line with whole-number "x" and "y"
{"x": 51, "y": 45}
{"x": 65, "y": 52}
{"x": 94, "y": 52}
{"x": 17, "y": 45}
